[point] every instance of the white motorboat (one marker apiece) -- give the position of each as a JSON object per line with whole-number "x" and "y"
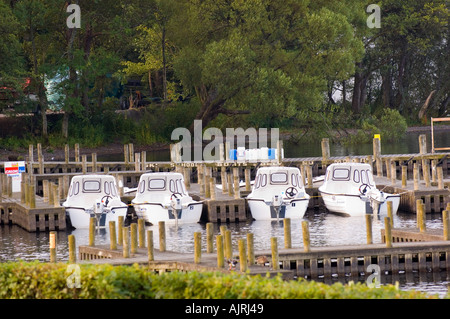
{"x": 93, "y": 196}
{"x": 278, "y": 192}
{"x": 349, "y": 188}
{"x": 163, "y": 197}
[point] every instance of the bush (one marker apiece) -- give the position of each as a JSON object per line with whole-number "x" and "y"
{"x": 44, "y": 280}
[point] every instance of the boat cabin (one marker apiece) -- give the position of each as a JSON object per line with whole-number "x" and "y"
{"x": 154, "y": 185}
{"x": 277, "y": 179}
{"x": 89, "y": 188}
{"x": 346, "y": 178}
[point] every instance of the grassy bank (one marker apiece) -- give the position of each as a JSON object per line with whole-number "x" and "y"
{"x": 43, "y": 280}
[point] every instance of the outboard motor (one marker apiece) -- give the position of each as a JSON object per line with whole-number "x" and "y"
{"x": 277, "y": 202}
{"x": 175, "y": 203}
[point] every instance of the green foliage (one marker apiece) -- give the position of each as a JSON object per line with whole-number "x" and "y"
{"x": 43, "y": 280}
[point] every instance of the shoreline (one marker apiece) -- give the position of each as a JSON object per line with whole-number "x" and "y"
{"x": 114, "y": 148}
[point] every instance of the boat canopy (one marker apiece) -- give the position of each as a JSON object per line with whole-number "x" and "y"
{"x": 346, "y": 178}
{"x": 277, "y": 179}
{"x": 88, "y": 188}
{"x": 154, "y": 185}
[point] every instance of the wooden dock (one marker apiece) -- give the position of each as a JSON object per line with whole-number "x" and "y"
{"x": 341, "y": 262}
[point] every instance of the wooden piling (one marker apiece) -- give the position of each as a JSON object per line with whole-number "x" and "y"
{"x": 228, "y": 245}
{"x": 390, "y": 213}
{"x": 223, "y": 178}
{"x": 119, "y": 229}
{"x": 369, "y": 229}
{"x": 212, "y": 187}
{"x": 404, "y": 175}
{"x": 440, "y": 177}
{"x": 242, "y": 255}
{"x": 306, "y": 237}
{"x": 126, "y": 242}
{"x": 141, "y": 231}
{"x": 309, "y": 176}
{"x": 150, "y": 250}
{"x": 92, "y": 224}
{"x": 197, "y": 247}
{"x": 112, "y": 235}
{"x": 220, "y": 251}
{"x": 72, "y": 249}
{"x": 416, "y": 176}
{"x": 250, "y": 249}
{"x": 388, "y": 232}
{"x": 325, "y": 150}
{"x": 230, "y": 185}
{"x": 420, "y": 209}
{"x": 287, "y": 233}
{"x": 162, "y": 236}
{"x": 134, "y": 239}
{"x": 237, "y": 191}
{"x": 445, "y": 221}
{"x": 53, "y": 246}
{"x": 248, "y": 187}
{"x": 274, "y": 248}
{"x": 209, "y": 238}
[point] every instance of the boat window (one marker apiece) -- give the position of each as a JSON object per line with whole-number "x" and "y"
{"x": 70, "y": 190}
{"x": 256, "y": 185}
{"x": 91, "y": 186}
{"x": 263, "y": 180}
{"x": 370, "y": 178}
{"x": 157, "y": 184}
{"x": 356, "y": 176}
{"x": 294, "y": 180}
{"x": 341, "y": 174}
{"x": 106, "y": 188}
{"x": 364, "y": 179}
{"x": 179, "y": 186}
{"x": 278, "y": 178}
{"x": 76, "y": 188}
{"x": 172, "y": 186}
{"x": 142, "y": 186}
{"x": 300, "y": 180}
{"x": 113, "y": 189}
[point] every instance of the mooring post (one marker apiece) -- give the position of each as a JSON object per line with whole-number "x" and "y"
{"x": 212, "y": 187}
{"x": 440, "y": 177}
{"x": 287, "y": 233}
{"x": 390, "y": 213}
{"x": 223, "y": 229}
{"x": 242, "y": 255}
{"x": 72, "y": 249}
{"x": 162, "y": 236}
{"x": 388, "y": 232}
{"x": 53, "y": 246}
{"x": 248, "y": 186}
{"x": 420, "y": 211}
{"x": 197, "y": 247}
{"x": 220, "y": 252}
{"x": 77, "y": 152}
{"x": 119, "y": 230}
{"x": 84, "y": 164}
{"x": 224, "y": 181}
{"x": 325, "y": 150}
{"x": 237, "y": 191}
{"x": 393, "y": 172}
{"x": 250, "y": 249}
{"x": 310, "y": 177}
{"x": 209, "y": 238}
{"x": 141, "y": 231}
{"x": 230, "y": 184}
{"x": 126, "y": 242}
{"x": 306, "y": 237}
{"x": 92, "y": 222}
{"x": 134, "y": 239}
{"x": 404, "y": 175}
{"x": 150, "y": 251}
{"x": 426, "y": 172}
{"x": 206, "y": 182}
{"x": 416, "y": 176}
{"x": 228, "y": 245}
{"x": 376, "y": 156}
{"x": 445, "y": 221}
{"x": 369, "y": 229}
{"x": 112, "y": 235}
{"x": 274, "y": 247}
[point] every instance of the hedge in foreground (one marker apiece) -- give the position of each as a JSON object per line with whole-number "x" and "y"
{"x": 44, "y": 280}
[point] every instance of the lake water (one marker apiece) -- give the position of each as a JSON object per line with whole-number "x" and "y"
{"x": 326, "y": 229}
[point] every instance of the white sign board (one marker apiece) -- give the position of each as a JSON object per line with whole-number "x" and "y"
{"x": 14, "y": 170}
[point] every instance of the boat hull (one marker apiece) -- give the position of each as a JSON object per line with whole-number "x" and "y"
{"x": 79, "y": 218}
{"x": 353, "y": 205}
{"x": 260, "y": 210}
{"x": 153, "y": 213}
